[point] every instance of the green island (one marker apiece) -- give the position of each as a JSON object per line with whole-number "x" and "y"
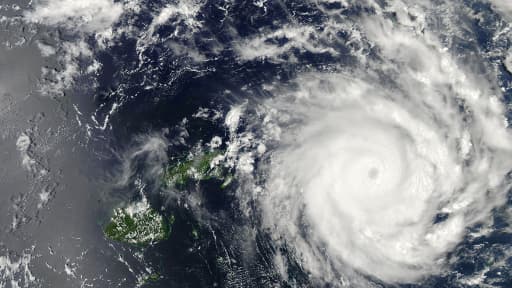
{"x": 204, "y": 166}
{"x": 138, "y": 224}
{"x": 151, "y": 278}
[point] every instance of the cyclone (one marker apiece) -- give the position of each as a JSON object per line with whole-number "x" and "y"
{"x": 381, "y": 173}
{"x": 385, "y": 187}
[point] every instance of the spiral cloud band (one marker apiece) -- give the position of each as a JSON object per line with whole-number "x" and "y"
{"x": 383, "y": 177}
{"x": 372, "y": 178}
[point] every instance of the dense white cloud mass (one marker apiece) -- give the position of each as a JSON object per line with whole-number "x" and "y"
{"x": 369, "y": 168}
{"x": 508, "y": 62}
{"x": 504, "y": 6}
{"x": 382, "y": 168}
{"x": 86, "y": 16}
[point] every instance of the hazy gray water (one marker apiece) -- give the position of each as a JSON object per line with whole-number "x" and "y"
{"x": 50, "y": 214}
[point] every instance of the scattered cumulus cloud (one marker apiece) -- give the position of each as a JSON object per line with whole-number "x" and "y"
{"x": 269, "y": 45}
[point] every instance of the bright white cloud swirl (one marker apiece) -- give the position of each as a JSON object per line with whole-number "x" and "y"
{"x": 380, "y": 171}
